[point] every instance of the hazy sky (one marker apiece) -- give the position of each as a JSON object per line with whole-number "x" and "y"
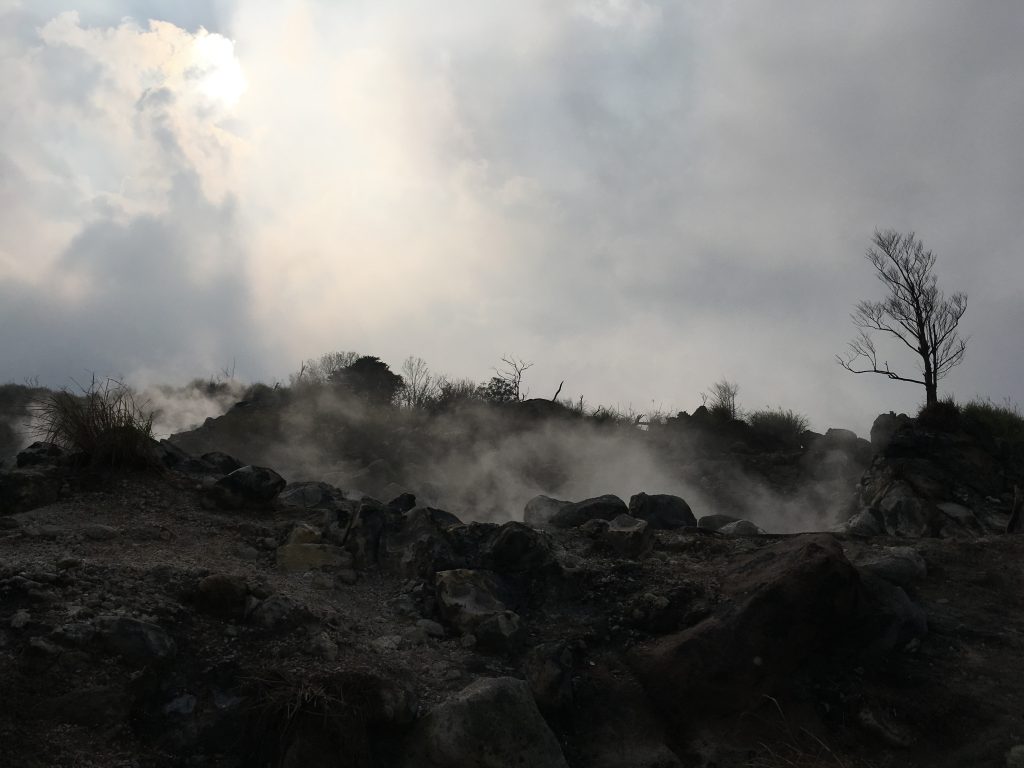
{"x": 641, "y": 197}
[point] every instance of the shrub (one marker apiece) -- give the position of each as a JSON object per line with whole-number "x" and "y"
{"x": 723, "y": 399}
{"x": 943, "y": 416}
{"x": 776, "y": 424}
{"x": 104, "y": 423}
{"x": 1005, "y": 422}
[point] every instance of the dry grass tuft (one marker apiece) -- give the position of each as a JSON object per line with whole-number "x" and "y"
{"x": 102, "y": 421}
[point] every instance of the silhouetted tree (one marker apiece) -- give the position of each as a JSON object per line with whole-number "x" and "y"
{"x": 915, "y": 312}
{"x": 369, "y": 378}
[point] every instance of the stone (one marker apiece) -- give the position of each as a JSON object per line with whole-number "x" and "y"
{"x": 902, "y": 566}
{"x": 431, "y": 628}
{"x": 303, "y": 552}
{"x": 28, "y": 488}
{"x": 139, "y": 642}
{"x": 276, "y": 613}
{"x": 549, "y": 669}
{"x": 628, "y": 537}
{"x": 540, "y": 509}
{"x": 221, "y": 462}
{"x": 40, "y": 454}
{"x": 249, "y": 485}
{"x": 884, "y": 427}
{"x": 715, "y": 522}
{"x": 740, "y": 528}
{"x": 516, "y": 547}
{"x": 600, "y": 507}
{"x": 1015, "y": 757}
{"x": 421, "y": 544}
{"x": 662, "y": 511}
{"x": 98, "y": 532}
{"x": 223, "y": 596}
{"x": 736, "y": 655}
{"x": 492, "y": 723}
{"x": 889, "y": 620}
{"x": 864, "y": 523}
{"x": 403, "y": 502}
{"x": 20, "y": 619}
{"x": 471, "y": 603}
{"x": 310, "y": 495}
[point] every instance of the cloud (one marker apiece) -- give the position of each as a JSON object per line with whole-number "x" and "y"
{"x": 639, "y": 196}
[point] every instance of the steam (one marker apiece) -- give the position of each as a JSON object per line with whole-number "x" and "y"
{"x": 484, "y": 463}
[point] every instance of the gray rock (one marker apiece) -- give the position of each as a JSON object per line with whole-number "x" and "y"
{"x": 884, "y": 427}
{"x": 492, "y": 723}
{"x": 902, "y": 566}
{"x": 740, "y": 528}
{"x": 600, "y": 507}
{"x": 516, "y": 547}
{"x": 715, "y": 522}
{"x": 628, "y": 537}
{"x": 25, "y": 489}
{"x": 249, "y": 485}
{"x": 864, "y": 523}
{"x": 662, "y": 511}
{"x": 40, "y": 454}
{"x": 469, "y": 602}
{"x": 310, "y": 495}
{"x": 540, "y": 509}
{"x": 889, "y": 619}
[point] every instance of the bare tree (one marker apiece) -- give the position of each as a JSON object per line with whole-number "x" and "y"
{"x": 512, "y": 374}
{"x": 421, "y": 385}
{"x": 915, "y": 312}
{"x": 723, "y": 398}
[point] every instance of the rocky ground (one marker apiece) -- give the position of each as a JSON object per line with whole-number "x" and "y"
{"x": 169, "y": 618}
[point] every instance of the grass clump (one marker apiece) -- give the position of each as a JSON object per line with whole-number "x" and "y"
{"x": 102, "y": 422}
{"x": 942, "y": 416}
{"x": 1004, "y": 422}
{"x": 779, "y": 425}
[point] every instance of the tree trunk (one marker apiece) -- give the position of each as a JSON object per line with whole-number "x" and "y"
{"x": 931, "y": 390}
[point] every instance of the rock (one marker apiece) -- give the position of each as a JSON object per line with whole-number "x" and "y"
{"x": 221, "y": 463}
{"x": 20, "y": 619}
{"x": 223, "y": 596}
{"x": 249, "y": 485}
{"x": 1015, "y": 757}
{"x": 310, "y": 495}
{"x": 740, "y": 528}
{"x": 884, "y": 427}
{"x": 628, "y": 537}
{"x": 471, "y": 603}
{"x": 492, "y": 723}
{"x": 613, "y": 722}
{"x": 138, "y": 641}
{"x": 303, "y": 552}
{"x": 715, "y": 522}
{"x": 403, "y": 502}
{"x": 903, "y": 513}
{"x": 431, "y": 628}
{"x": 421, "y": 544}
{"x": 516, "y": 547}
{"x": 28, "y": 488}
{"x": 788, "y": 601}
{"x": 662, "y": 511}
{"x": 601, "y": 507}
{"x": 540, "y": 509}
{"x": 40, "y": 454}
{"x": 277, "y": 614}
{"x": 888, "y": 619}
{"x": 97, "y": 532}
{"x": 864, "y": 523}
{"x": 902, "y": 566}
{"x": 549, "y": 670}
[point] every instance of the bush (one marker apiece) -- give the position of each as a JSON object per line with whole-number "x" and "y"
{"x": 775, "y": 424}
{"x": 722, "y": 399}
{"x": 104, "y": 423}
{"x": 943, "y": 416}
{"x": 1005, "y": 422}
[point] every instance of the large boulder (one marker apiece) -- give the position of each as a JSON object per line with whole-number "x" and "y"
{"x": 605, "y": 507}
{"x": 662, "y": 511}
{"x": 247, "y": 486}
{"x": 475, "y": 603}
{"x": 492, "y": 723}
{"x": 517, "y": 548}
{"x": 789, "y": 600}
{"x": 28, "y": 488}
{"x": 40, "y": 454}
{"x": 540, "y": 509}
{"x": 884, "y": 427}
{"x": 421, "y": 544}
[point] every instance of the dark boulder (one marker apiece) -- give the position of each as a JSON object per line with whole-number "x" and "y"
{"x": 249, "y": 485}
{"x": 884, "y": 427}
{"x": 420, "y": 544}
{"x": 604, "y": 507}
{"x": 28, "y": 488}
{"x": 662, "y": 511}
{"x": 476, "y": 603}
{"x": 40, "y": 454}
{"x": 515, "y": 548}
{"x": 540, "y": 509}
{"x": 789, "y": 600}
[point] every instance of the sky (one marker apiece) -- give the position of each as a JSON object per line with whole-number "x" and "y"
{"x": 639, "y": 197}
